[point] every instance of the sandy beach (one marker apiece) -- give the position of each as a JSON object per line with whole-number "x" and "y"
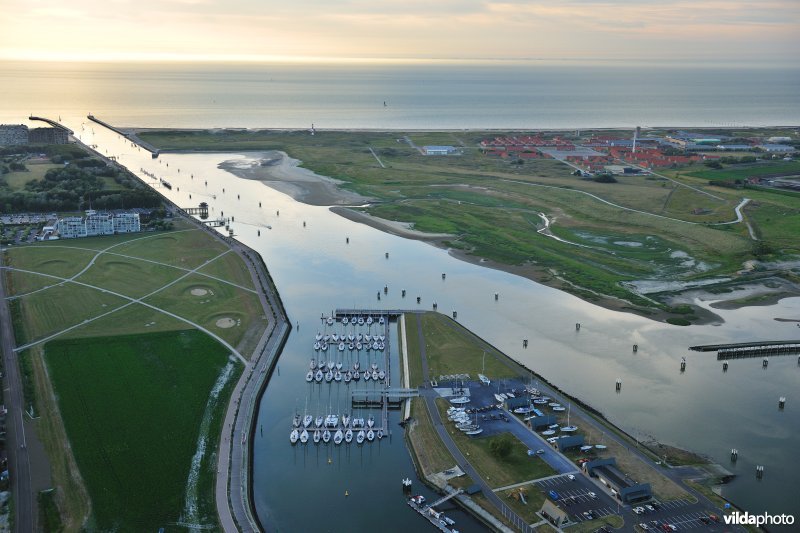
{"x": 283, "y": 173}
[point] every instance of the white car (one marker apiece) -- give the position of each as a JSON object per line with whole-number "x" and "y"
{"x": 570, "y": 477}
{"x": 638, "y": 510}
{"x": 591, "y": 494}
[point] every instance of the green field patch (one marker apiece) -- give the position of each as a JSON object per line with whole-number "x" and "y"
{"x": 131, "y": 319}
{"x": 131, "y": 277}
{"x": 62, "y": 262}
{"x": 127, "y": 400}
{"x": 47, "y": 312}
{"x": 16, "y": 180}
{"x": 230, "y": 267}
{"x": 742, "y": 172}
{"x": 185, "y": 249}
{"x": 234, "y": 314}
{"x": 22, "y": 283}
{"x": 452, "y": 349}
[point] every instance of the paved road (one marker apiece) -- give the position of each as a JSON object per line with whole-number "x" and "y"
{"x": 430, "y": 401}
{"x": 233, "y": 485}
{"x": 19, "y": 460}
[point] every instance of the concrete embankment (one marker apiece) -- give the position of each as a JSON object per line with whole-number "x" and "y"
{"x": 52, "y": 123}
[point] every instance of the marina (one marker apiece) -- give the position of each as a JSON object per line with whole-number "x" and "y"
{"x": 342, "y": 358}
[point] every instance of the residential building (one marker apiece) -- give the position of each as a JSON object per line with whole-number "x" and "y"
{"x": 13, "y": 134}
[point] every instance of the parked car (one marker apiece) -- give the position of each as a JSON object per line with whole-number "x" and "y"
{"x": 638, "y": 510}
{"x": 570, "y": 477}
{"x": 553, "y": 494}
{"x": 644, "y": 526}
{"x": 539, "y": 451}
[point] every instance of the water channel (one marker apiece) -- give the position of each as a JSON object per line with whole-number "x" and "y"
{"x": 315, "y": 270}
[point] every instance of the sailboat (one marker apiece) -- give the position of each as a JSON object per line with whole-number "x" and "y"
{"x": 370, "y": 435}
{"x": 568, "y": 428}
{"x": 326, "y": 436}
{"x": 310, "y": 376}
{"x": 348, "y": 436}
{"x": 293, "y": 436}
{"x": 360, "y": 437}
{"x": 304, "y": 436}
{"x": 317, "y": 436}
{"x": 338, "y": 436}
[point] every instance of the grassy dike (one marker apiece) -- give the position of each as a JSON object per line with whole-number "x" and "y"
{"x": 122, "y": 383}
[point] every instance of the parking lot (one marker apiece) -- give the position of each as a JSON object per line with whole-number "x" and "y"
{"x": 579, "y": 497}
{"x": 683, "y": 514}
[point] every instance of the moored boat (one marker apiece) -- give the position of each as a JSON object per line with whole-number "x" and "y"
{"x": 304, "y": 436}
{"x": 293, "y": 436}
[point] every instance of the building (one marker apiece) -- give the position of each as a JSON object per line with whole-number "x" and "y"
{"x": 71, "y": 228}
{"x": 565, "y": 443}
{"x": 13, "y": 134}
{"x": 622, "y": 170}
{"x": 127, "y": 223}
{"x": 776, "y": 148}
{"x": 554, "y": 514}
{"x": 438, "y": 150}
{"x": 620, "y": 485}
{"x": 517, "y": 402}
{"x": 95, "y": 223}
{"x": 47, "y": 136}
{"x": 538, "y": 422}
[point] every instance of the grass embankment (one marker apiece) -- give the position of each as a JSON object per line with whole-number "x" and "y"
{"x": 452, "y": 349}
{"x": 127, "y": 400}
{"x": 431, "y": 454}
{"x": 491, "y": 206}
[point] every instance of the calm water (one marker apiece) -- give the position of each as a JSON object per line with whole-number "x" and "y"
{"x": 701, "y": 409}
{"x": 535, "y": 94}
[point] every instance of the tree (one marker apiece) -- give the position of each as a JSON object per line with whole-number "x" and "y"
{"x": 501, "y": 447}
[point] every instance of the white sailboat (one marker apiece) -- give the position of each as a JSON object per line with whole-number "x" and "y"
{"x": 348, "y": 436}
{"x": 304, "y": 436}
{"x": 360, "y": 437}
{"x": 370, "y": 435}
{"x": 326, "y": 436}
{"x": 310, "y": 376}
{"x": 293, "y": 436}
{"x": 338, "y": 436}
{"x": 317, "y": 436}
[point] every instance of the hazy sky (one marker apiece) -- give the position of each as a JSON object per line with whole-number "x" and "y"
{"x": 762, "y": 30}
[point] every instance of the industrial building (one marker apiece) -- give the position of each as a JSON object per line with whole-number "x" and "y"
{"x": 538, "y": 422}
{"x": 95, "y": 223}
{"x": 620, "y": 485}
{"x": 438, "y": 150}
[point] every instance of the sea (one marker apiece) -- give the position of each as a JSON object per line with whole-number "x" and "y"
{"x": 425, "y": 95}
{"x": 702, "y": 409}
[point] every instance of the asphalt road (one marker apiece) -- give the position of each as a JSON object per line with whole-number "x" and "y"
{"x": 18, "y": 457}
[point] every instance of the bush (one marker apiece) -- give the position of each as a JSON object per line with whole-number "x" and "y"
{"x": 501, "y": 447}
{"x": 678, "y": 321}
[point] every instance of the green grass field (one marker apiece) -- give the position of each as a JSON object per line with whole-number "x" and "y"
{"x": 16, "y": 180}
{"x": 741, "y": 172}
{"x": 129, "y": 277}
{"x": 129, "y": 399}
{"x": 451, "y": 349}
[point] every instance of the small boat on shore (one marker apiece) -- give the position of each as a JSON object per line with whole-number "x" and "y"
{"x": 548, "y": 432}
{"x": 459, "y": 400}
{"x": 600, "y": 446}
{"x": 474, "y": 432}
{"x": 569, "y": 429}
{"x": 484, "y": 379}
{"x": 559, "y": 409}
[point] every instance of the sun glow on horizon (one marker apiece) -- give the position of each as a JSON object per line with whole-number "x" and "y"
{"x": 352, "y": 31}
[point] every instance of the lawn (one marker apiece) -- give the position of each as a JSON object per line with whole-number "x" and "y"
{"x": 127, "y": 400}
{"x": 230, "y": 268}
{"x": 185, "y": 249}
{"x": 412, "y": 350}
{"x": 131, "y": 277}
{"x": 234, "y": 314}
{"x": 59, "y": 307}
{"x": 16, "y": 180}
{"x": 61, "y": 261}
{"x": 431, "y": 454}
{"x": 451, "y": 349}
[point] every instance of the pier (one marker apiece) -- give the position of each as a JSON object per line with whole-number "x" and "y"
{"x": 750, "y": 349}
{"x": 52, "y": 123}
{"x": 153, "y": 151}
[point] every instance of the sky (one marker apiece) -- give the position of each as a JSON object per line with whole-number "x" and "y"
{"x": 646, "y": 30}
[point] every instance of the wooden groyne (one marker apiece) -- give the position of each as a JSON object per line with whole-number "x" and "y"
{"x": 750, "y": 349}
{"x": 150, "y": 148}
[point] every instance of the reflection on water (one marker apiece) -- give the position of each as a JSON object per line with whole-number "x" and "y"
{"x": 702, "y": 409}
